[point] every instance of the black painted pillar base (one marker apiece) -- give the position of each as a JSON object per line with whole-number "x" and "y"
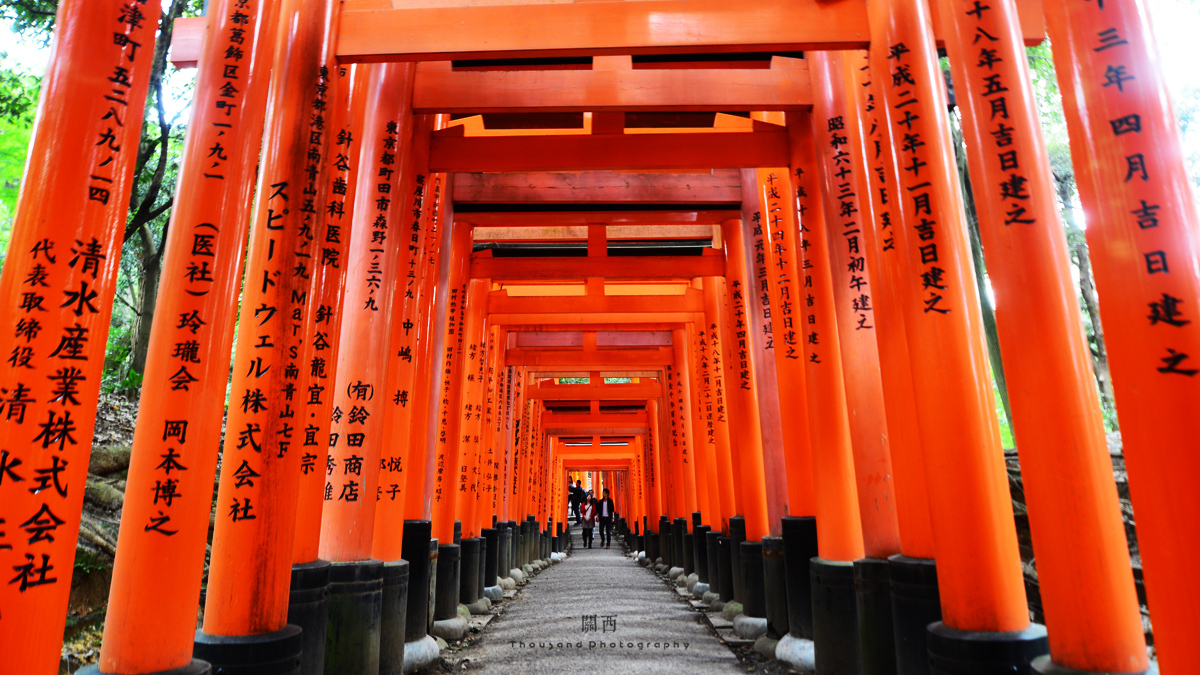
{"x": 483, "y": 553}
{"x": 876, "y": 639}
{"x": 491, "y": 561}
{"x": 725, "y": 568}
{"x": 393, "y": 627}
{"x": 651, "y": 549}
{"x": 1042, "y": 665}
{"x": 835, "y": 620}
{"x": 961, "y": 652}
{"x": 678, "y": 529}
{"x": 194, "y": 668}
{"x": 355, "y": 618}
{"x": 799, "y": 547}
{"x": 689, "y": 554}
{"x": 754, "y": 600}
{"x": 775, "y": 586}
{"x": 458, "y": 532}
{"x": 700, "y": 551}
{"x": 275, "y": 653}
{"x": 448, "y": 582}
{"x": 415, "y": 549}
{"x": 710, "y": 546}
{"x": 665, "y": 542}
{"x": 308, "y": 608}
{"x": 916, "y": 603}
{"x": 737, "y": 535}
{"x": 514, "y": 537}
{"x": 468, "y": 565}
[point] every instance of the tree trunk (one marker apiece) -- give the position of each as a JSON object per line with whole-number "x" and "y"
{"x": 1087, "y": 290}
{"x": 151, "y": 265}
{"x": 985, "y": 301}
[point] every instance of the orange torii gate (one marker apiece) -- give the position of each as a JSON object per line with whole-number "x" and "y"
{"x": 381, "y": 331}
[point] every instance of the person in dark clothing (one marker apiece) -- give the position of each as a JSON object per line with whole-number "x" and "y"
{"x": 576, "y": 498}
{"x": 588, "y": 520}
{"x": 606, "y": 510}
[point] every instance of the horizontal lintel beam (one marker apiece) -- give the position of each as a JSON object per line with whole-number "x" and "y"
{"x": 723, "y": 186}
{"x": 621, "y": 152}
{"x": 550, "y": 268}
{"x": 601, "y": 359}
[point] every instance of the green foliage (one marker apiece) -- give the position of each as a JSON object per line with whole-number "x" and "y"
{"x": 87, "y": 562}
{"x": 18, "y": 100}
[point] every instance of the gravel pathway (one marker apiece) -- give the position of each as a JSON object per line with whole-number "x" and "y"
{"x": 647, "y": 631}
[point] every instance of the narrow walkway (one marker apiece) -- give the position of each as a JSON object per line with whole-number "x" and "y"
{"x": 649, "y": 631}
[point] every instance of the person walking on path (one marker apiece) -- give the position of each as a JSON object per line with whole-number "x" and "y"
{"x": 588, "y": 519}
{"x": 606, "y": 511}
{"x": 576, "y": 498}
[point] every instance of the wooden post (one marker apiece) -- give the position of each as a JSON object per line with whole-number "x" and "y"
{"x": 58, "y": 281}
{"x": 740, "y": 359}
{"x": 256, "y": 502}
{"x": 1143, "y": 238}
{"x": 715, "y": 316}
{"x": 979, "y": 573}
{"x": 685, "y": 364}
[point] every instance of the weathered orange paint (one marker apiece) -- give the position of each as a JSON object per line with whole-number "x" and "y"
{"x": 979, "y": 571}
{"x": 58, "y": 284}
{"x": 1144, "y": 239}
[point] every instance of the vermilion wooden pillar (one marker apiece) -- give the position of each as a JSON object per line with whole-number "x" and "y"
{"x": 681, "y": 432}
{"x": 890, "y": 269}
{"x": 1091, "y": 606}
{"x": 654, "y": 504}
{"x": 150, "y": 625}
{"x": 704, "y": 424}
{"x": 685, "y": 359}
{"x": 329, "y": 277}
{"x": 376, "y": 260}
{"x": 470, "y": 410}
{"x": 747, "y": 448}
{"x": 256, "y": 502}
{"x": 979, "y": 573}
{"x": 58, "y": 284}
{"x": 784, "y": 255}
{"x": 841, "y": 172}
{"x": 714, "y": 301}
{"x": 419, "y": 482}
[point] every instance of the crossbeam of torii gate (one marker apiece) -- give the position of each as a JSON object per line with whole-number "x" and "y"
{"x": 912, "y": 249}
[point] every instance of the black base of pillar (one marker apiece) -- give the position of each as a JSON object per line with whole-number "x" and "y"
{"x": 275, "y": 653}
{"x": 479, "y": 578}
{"x": 775, "y": 585}
{"x": 689, "y": 554}
{"x": 651, "y": 549}
{"x": 415, "y": 549}
{"x": 392, "y": 627}
{"x": 678, "y": 529}
{"x": 355, "y": 618}
{"x": 491, "y": 561}
{"x": 193, "y": 668}
{"x": 458, "y": 532}
{"x": 700, "y": 552}
{"x": 799, "y": 547}
{"x": 665, "y": 542}
{"x": 876, "y": 639}
{"x": 710, "y": 545}
{"x": 724, "y": 569}
{"x": 468, "y": 565}
{"x": 737, "y": 535}
{"x": 916, "y": 603}
{"x": 434, "y": 548}
{"x": 1042, "y": 665}
{"x": 308, "y": 608}
{"x": 835, "y": 620}
{"x": 960, "y": 652}
{"x": 448, "y": 582}
{"x": 754, "y": 599}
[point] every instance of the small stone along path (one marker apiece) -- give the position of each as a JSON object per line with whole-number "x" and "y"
{"x": 541, "y": 629}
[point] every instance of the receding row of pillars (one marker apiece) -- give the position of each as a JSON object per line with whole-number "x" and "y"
{"x": 838, "y": 378}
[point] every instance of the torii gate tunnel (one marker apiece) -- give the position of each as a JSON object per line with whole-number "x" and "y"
{"x": 740, "y": 225}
